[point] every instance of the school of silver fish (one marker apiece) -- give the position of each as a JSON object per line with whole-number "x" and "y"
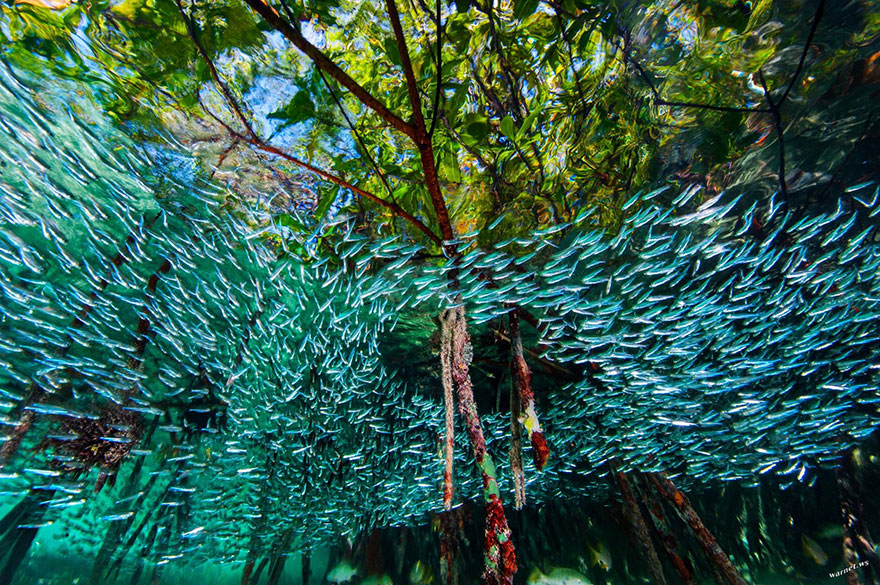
{"x": 737, "y": 355}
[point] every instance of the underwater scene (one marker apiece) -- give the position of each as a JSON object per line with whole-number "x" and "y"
{"x": 514, "y": 292}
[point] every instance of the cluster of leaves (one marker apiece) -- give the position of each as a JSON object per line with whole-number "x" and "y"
{"x": 537, "y": 110}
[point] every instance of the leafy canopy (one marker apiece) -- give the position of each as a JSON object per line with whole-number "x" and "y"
{"x": 536, "y": 110}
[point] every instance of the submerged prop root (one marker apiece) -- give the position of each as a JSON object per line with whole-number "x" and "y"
{"x": 522, "y": 380}
{"x": 639, "y": 527}
{"x": 500, "y": 555}
{"x": 857, "y": 545}
{"x": 448, "y": 523}
{"x": 449, "y": 404}
{"x": 10, "y": 446}
{"x": 36, "y": 393}
{"x": 655, "y": 520}
{"x": 710, "y": 546}
{"x": 516, "y": 465}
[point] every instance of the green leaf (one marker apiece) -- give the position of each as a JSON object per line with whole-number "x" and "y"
{"x": 530, "y": 119}
{"x": 298, "y": 109}
{"x": 202, "y": 72}
{"x": 462, "y": 5}
{"x": 326, "y": 201}
{"x": 393, "y": 51}
{"x": 476, "y": 127}
{"x": 508, "y": 128}
{"x": 449, "y": 164}
{"x": 288, "y": 220}
{"x": 524, "y": 8}
{"x": 459, "y": 96}
{"x": 505, "y": 156}
{"x": 458, "y": 33}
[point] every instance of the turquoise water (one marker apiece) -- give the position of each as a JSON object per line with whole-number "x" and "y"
{"x": 189, "y": 404}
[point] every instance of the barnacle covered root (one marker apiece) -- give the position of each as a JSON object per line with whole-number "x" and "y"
{"x": 522, "y": 380}
{"x": 500, "y": 556}
{"x": 540, "y": 450}
{"x": 450, "y": 523}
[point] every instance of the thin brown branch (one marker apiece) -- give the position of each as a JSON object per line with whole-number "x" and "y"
{"x": 797, "y": 72}
{"x": 574, "y": 72}
{"x": 548, "y": 365}
{"x": 494, "y": 101}
{"x": 773, "y": 107}
{"x": 229, "y": 129}
{"x": 324, "y": 63}
{"x": 498, "y": 179}
{"x": 501, "y": 111}
{"x": 517, "y": 108}
{"x": 439, "y": 64}
{"x": 213, "y": 70}
{"x": 357, "y": 134}
{"x": 663, "y": 102}
{"x": 226, "y": 152}
{"x": 393, "y": 207}
{"x": 777, "y": 125}
{"x": 254, "y": 140}
{"x": 658, "y": 98}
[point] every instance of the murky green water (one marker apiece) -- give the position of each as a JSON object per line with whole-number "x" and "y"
{"x": 184, "y": 403}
